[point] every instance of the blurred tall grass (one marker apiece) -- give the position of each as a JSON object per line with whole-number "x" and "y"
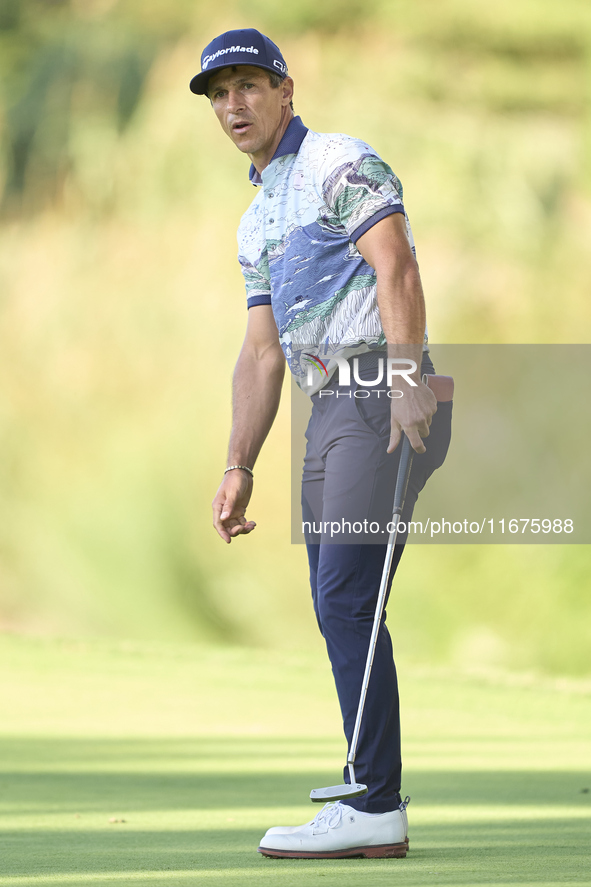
{"x": 122, "y": 307}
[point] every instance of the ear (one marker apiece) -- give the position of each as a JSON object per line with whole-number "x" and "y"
{"x": 288, "y": 89}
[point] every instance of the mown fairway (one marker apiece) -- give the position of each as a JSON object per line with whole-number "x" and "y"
{"x": 199, "y": 750}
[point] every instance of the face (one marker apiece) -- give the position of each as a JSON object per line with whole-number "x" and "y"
{"x": 249, "y": 109}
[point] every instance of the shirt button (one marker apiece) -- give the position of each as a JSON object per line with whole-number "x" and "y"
{"x": 271, "y": 221}
{"x": 271, "y": 194}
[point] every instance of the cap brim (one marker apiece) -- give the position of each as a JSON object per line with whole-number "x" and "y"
{"x": 198, "y": 84}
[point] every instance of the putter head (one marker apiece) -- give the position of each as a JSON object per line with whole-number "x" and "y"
{"x": 337, "y": 792}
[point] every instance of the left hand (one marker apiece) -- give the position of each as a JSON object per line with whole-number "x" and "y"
{"x": 412, "y": 414}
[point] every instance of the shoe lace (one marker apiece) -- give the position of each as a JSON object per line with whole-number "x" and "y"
{"x": 330, "y": 815}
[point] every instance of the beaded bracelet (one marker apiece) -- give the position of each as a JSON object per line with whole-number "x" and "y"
{"x": 244, "y": 467}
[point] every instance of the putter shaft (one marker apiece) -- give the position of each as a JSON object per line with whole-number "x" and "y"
{"x": 354, "y": 789}
{"x": 402, "y": 477}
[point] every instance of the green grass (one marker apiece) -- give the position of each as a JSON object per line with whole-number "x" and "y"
{"x": 199, "y": 750}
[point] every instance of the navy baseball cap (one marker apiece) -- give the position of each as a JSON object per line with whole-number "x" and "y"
{"x": 246, "y": 47}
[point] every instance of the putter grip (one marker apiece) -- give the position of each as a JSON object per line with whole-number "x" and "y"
{"x": 404, "y": 467}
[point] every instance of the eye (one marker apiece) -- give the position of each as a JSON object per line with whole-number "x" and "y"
{"x": 218, "y": 94}
{"x": 248, "y": 85}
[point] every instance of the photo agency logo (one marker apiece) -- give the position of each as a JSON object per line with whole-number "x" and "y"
{"x": 388, "y": 369}
{"x": 315, "y": 364}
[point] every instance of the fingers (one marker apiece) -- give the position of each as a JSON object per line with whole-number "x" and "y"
{"x": 223, "y": 518}
{"x": 217, "y": 521}
{"x": 395, "y": 435}
{"x": 414, "y": 418}
{"x": 415, "y": 440}
{"x": 233, "y": 527}
{"x": 415, "y": 435}
{"x": 242, "y": 529}
{"x": 229, "y": 520}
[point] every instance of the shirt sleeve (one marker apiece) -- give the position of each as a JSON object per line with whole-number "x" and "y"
{"x": 362, "y": 192}
{"x": 258, "y": 286}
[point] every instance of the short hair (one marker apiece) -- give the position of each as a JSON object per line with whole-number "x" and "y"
{"x": 275, "y": 80}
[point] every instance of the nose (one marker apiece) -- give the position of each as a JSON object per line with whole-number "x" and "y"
{"x": 235, "y": 101}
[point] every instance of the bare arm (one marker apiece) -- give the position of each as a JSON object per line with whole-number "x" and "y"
{"x": 258, "y": 378}
{"x": 402, "y": 311}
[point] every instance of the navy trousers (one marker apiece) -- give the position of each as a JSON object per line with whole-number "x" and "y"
{"x": 348, "y": 488}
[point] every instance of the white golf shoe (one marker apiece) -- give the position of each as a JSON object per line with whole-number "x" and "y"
{"x": 339, "y": 831}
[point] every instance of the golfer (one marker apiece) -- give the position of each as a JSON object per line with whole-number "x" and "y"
{"x": 332, "y": 284}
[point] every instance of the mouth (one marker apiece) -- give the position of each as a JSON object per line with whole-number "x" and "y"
{"x": 241, "y": 126}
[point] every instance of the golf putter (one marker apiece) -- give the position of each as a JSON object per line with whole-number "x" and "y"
{"x": 355, "y": 789}
{"x": 443, "y": 389}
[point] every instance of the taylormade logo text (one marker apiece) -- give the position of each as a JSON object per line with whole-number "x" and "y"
{"x": 399, "y": 367}
{"x": 211, "y": 58}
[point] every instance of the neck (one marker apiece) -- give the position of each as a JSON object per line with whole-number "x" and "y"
{"x": 262, "y": 159}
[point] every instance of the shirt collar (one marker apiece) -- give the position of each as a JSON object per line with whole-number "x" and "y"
{"x": 292, "y": 139}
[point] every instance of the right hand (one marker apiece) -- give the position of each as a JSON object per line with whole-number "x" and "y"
{"x": 230, "y": 504}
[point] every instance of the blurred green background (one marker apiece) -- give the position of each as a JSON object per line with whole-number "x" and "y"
{"x": 122, "y": 305}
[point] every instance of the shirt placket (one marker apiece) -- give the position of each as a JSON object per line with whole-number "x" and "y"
{"x": 269, "y": 189}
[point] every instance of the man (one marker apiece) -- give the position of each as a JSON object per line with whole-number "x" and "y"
{"x": 331, "y": 278}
